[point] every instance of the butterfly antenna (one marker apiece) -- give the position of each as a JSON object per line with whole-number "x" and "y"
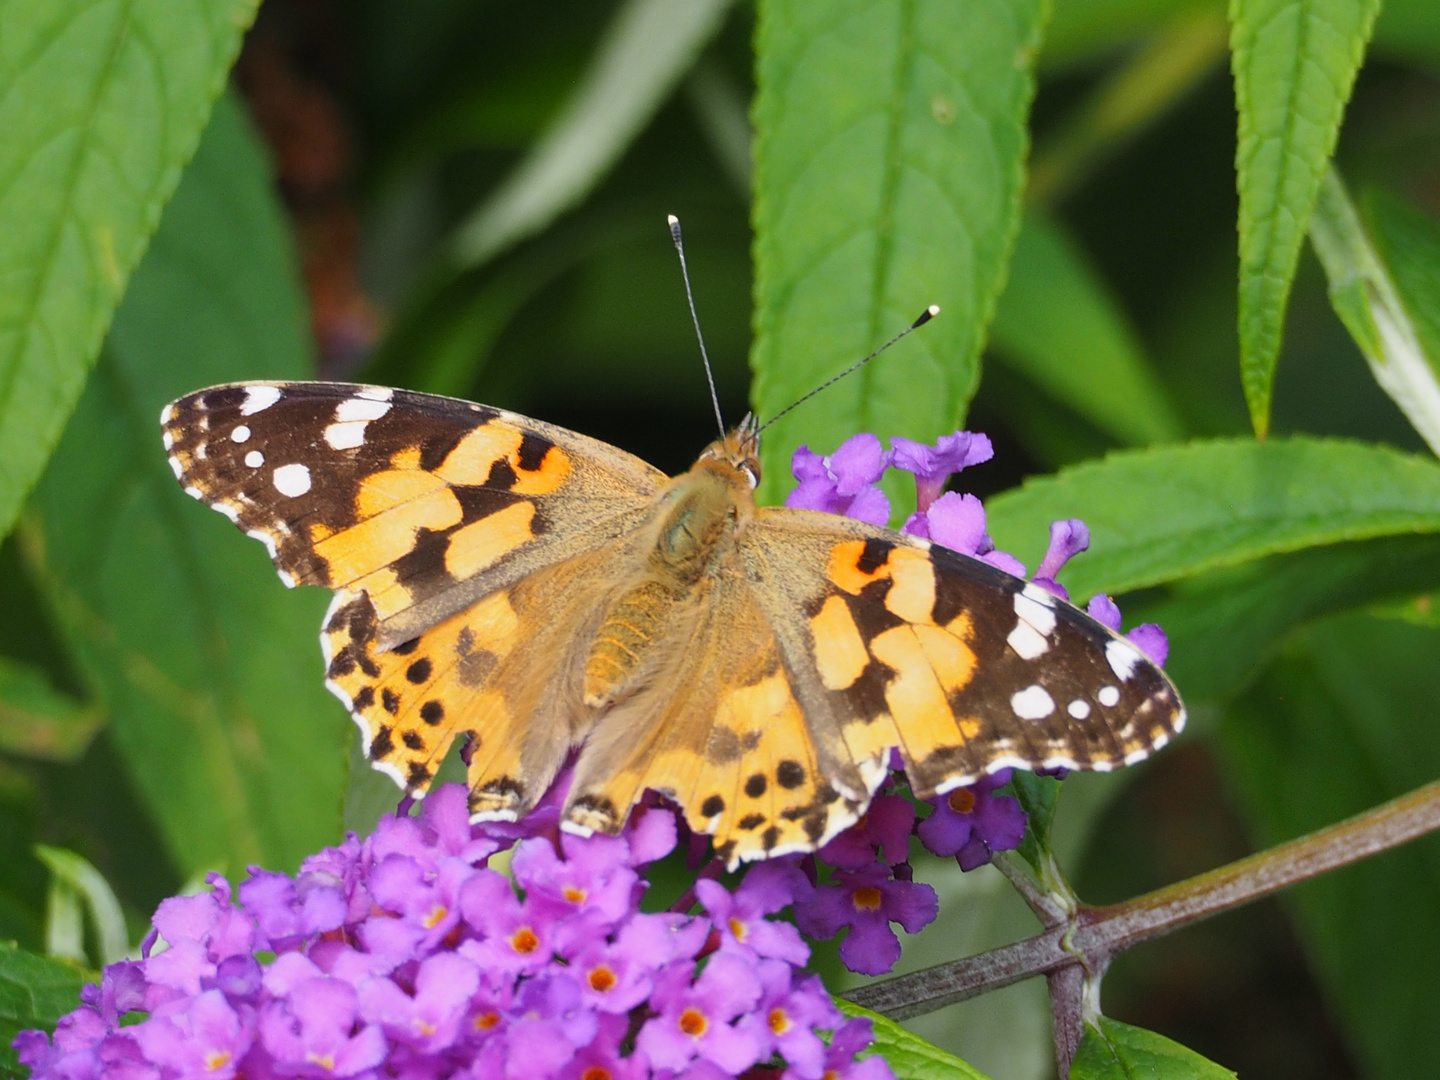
{"x": 925, "y": 316}
{"x": 690, "y": 297}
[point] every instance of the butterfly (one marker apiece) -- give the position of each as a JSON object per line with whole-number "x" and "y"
{"x": 546, "y": 595}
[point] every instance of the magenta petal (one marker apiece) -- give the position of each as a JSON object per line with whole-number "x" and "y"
{"x": 871, "y": 947}
{"x": 1151, "y": 640}
{"x": 958, "y": 522}
{"x": 869, "y": 505}
{"x": 1104, "y": 611}
{"x": 1067, "y": 539}
{"x": 1004, "y": 561}
{"x": 857, "y": 463}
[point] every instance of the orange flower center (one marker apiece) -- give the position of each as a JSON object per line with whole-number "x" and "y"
{"x": 487, "y": 1020}
{"x": 693, "y": 1023}
{"x": 436, "y": 916}
{"x": 961, "y": 800}
{"x": 596, "y": 1072}
{"x": 602, "y": 979}
{"x": 779, "y": 1021}
{"x": 217, "y": 1059}
{"x": 737, "y": 928}
{"x": 866, "y": 899}
{"x": 524, "y": 941}
{"x": 325, "y": 1061}
{"x": 574, "y": 894}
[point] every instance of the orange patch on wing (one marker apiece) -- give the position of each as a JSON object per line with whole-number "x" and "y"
{"x": 387, "y": 490}
{"x": 844, "y": 570}
{"x": 950, "y": 658}
{"x": 969, "y": 727}
{"x": 917, "y": 700}
{"x": 474, "y": 455}
{"x": 840, "y": 653}
{"x": 380, "y": 540}
{"x": 320, "y": 531}
{"x": 408, "y": 458}
{"x": 482, "y": 543}
{"x": 912, "y": 589}
{"x": 546, "y": 478}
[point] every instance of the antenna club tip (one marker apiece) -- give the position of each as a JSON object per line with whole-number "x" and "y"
{"x": 925, "y": 316}
{"x": 672, "y": 220}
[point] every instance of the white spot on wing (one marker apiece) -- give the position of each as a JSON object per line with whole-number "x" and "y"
{"x": 1037, "y": 613}
{"x": 258, "y": 399}
{"x": 1123, "y": 657}
{"x": 1078, "y": 708}
{"x": 195, "y": 493}
{"x": 167, "y": 413}
{"x": 254, "y": 459}
{"x": 359, "y": 408}
{"x": 346, "y": 436}
{"x": 167, "y": 439}
{"x": 176, "y": 467}
{"x": 240, "y": 434}
{"x": 266, "y": 539}
{"x": 229, "y": 511}
{"x": 1028, "y": 642}
{"x": 1108, "y": 696}
{"x": 1032, "y": 703}
{"x": 1039, "y": 594}
{"x": 292, "y": 480}
{"x": 375, "y": 393}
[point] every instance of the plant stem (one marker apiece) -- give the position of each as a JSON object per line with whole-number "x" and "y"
{"x": 1094, "y": 935}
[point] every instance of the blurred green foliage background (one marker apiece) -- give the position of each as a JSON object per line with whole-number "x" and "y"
{"x": 469, "y": 197}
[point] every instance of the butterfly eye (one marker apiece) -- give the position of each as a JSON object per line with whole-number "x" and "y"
{"x": 750, "y": 476}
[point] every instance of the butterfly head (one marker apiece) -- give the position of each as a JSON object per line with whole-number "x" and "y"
{"x": 740, "y": 449}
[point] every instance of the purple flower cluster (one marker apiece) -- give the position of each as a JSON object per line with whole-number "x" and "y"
{"x": 406, "y": 957}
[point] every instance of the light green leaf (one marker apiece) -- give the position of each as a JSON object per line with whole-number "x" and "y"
{"x": 80, "y": 876}
{"x": 1166, "y": 513}
{"x": 209, "y": 668}
{"x": 890, "y": 144}
{"x": 1110, "y": 1050}
{"x": 38, "y": 721}
{"x": 35, "y": 991}
{"x": 101, "y": 104}
{"x": 1348, "y": 717}
{"x": 647, "y": 49}
{"x": 1294, "y": 63}
{"x": 1058, "y": 325}
{"x": 909, "y": 1056}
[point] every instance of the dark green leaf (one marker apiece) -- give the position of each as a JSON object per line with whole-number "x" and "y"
{"x": 1080, "y": 30}
{"x": 1294, "y": 63}
{"x": 1057, "y": 324}
{"x": 102, "y": 102}
{"x": 208, "y": 667}
{"x": 1160, "y": 514}
{"x": 1224, "y": 624}
{"x": 645, "y": 52}
{"x": 1348, "y": 717}
{"x": 1116, "y": 1051}
{"x": 36, "y": 720}
{"x": 890, "y": 143}
{"x": 35, "y": 991}
{"x": 909, "y": 1056}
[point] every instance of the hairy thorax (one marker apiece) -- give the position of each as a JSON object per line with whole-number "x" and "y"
{"x": 695, "y": 530}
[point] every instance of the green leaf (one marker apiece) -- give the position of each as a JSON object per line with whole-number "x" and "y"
{"x": 1348, "y": 717}
{"x": 208, "y": 667}
{"x": 1294, "y": 63}
{"x": 1058, "y": 325}
{"x": 1165, "y": 513}
{"x": 89, "y": 884}
{"x": 1037, "y": 794}
{"x": 1410, "y": 31}
{"x": 909, "y": 1056}
{"x": 647, "y": 49}
{"x": 1384, "y": 283}
{"x": 102, "y": 102}
{"x": 1224, "y": 624}
{"x": 890, "y": 143}
{"x": 38, "y": 721}
{"x": 1110, "y": 1050}
{"x": 35, "y": 991}
{"x": 1082, "y": 30}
